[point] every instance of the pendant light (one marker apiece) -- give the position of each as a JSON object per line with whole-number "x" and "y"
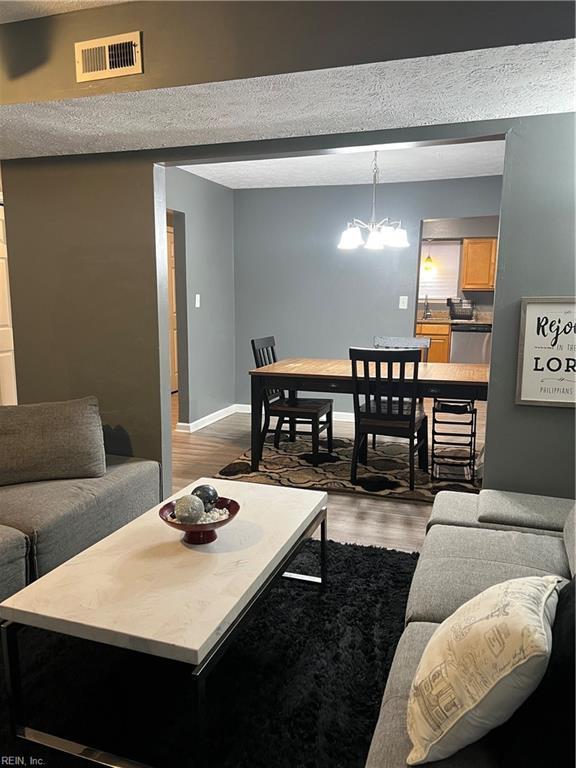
{"x": 380, "y": 233}
{"x": 428, "y": 263}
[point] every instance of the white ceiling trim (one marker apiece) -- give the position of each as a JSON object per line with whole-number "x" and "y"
{"x": 488, "y": 84}
{"x": 451, "y": 161}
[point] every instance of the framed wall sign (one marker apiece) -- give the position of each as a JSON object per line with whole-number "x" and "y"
{"x": 547, "y": 352}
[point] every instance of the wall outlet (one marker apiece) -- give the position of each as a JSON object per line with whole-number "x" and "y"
{"x": 403, "y": 303}
{"x": 197, "y": 301}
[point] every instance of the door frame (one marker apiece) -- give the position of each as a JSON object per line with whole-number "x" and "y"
{"x": 181, "y": 265}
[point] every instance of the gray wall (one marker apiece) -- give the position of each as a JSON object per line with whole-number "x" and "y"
{"x": 208, "y": 348}
{"x": 87, "y": 293}
{"x": 197, "y": 42}
{"x": 530, "y": 448}
{"x": 294, "y": 283}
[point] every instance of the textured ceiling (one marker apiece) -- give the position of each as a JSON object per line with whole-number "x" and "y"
{"x": 451, "y": 161}
{"x": 459, "y": 87}
{"x": 17, "y": 10}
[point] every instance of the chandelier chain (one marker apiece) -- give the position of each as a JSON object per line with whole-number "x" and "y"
{"x": 375, "y": 177}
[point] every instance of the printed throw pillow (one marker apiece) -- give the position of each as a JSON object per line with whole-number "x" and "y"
{"x": 480, "y": 665}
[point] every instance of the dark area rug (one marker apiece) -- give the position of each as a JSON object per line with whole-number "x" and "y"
{"x": 387, "y": 474}
{"x": 300, "y": 687}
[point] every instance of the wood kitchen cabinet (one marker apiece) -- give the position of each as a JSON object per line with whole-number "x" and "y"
{"x": 478, "y": 266}
{"x": 439, "y": 335}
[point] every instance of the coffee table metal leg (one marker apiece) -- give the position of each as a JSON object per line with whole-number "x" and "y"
{"x": 9, "y": 634}
{"x": 323, "y": 554}
{"x": 200, "y": 701}
{"x": 323, "y": 578}
{"x": 9, "y": 631}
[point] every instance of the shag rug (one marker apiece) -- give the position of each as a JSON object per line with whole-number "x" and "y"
{"x": 300, "y": 687}
{"x": 387, "y": 474}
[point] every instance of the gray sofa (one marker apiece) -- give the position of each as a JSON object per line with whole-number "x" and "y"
{"x": 44, "y": 523}
{"x": 13, "y": 560}
{"x": 473, "y": 542}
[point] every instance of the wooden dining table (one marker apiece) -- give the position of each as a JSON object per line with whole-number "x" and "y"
{"x": 458, "y": 381}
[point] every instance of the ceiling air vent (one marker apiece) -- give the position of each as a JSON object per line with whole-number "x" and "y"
{"x": 114, "y": 56}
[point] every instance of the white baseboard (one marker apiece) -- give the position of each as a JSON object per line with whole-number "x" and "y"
{"x": 194, "y": 426}
{"x": 343, "y": 416}
{"x": 238, "y": 408}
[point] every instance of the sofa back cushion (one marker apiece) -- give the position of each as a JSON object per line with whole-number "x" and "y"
{"x": 570, "y": 539}
{"x": 525, "y": 510}
{"x": 51, "y": 441}
{"x": 551, "y": 708}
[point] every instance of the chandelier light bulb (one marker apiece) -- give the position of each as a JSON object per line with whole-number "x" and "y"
{"x": 388, "y": 233}
{"x": 350, "y": 239}
{"x": 399, "y": 238}
{"x": 376, "y": 240}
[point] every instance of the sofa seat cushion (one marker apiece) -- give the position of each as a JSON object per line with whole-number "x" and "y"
{"x": 458, "y": 563}
{"x": 523, "y": 510}
{"x": 390, "y": 743}
{"x": 13, "y": 561}
{"x": 63, "y": 517}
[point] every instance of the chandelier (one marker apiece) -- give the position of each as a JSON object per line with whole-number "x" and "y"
{"x": 380, "y": 233}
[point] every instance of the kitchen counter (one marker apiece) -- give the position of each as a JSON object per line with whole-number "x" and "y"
{"x": 454, "y": 340}
{"x": 482, "y": 320}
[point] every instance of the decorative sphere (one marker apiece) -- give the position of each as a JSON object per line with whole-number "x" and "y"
{"x": 207, "y": 494}
{"x": 188, "y": 509}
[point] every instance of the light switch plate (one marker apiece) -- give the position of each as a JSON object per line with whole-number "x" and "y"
{"x": 197, "y": 301}
{"x": 403, "y": 303}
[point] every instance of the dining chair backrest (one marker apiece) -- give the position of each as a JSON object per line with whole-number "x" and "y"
{"x": 404, "y": 342}
{"x": 385, "y": 383}
{"x": 264, "y": 351}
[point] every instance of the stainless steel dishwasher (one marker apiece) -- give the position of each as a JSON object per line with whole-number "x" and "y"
{"x": 470, "y": 342}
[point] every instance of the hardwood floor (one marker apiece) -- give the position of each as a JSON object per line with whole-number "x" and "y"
{"x": 351, "y": 518}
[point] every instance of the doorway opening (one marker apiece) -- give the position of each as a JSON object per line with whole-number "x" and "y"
{"x": 456, "y": 280}
{"x": 251, "y": 253}
{"x": 456, "y": 277}
{"x": 177, "y": 314}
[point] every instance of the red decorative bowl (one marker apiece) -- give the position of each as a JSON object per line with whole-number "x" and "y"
{"x": 199, "y": 533}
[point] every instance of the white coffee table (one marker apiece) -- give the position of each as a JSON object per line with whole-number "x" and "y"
{"x": 143, "y": 589}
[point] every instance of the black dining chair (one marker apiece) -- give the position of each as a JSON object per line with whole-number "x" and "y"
{"x": 403, "y": 342}
{"x": 385, "y": 384}
{"x": 292, "y": 409}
